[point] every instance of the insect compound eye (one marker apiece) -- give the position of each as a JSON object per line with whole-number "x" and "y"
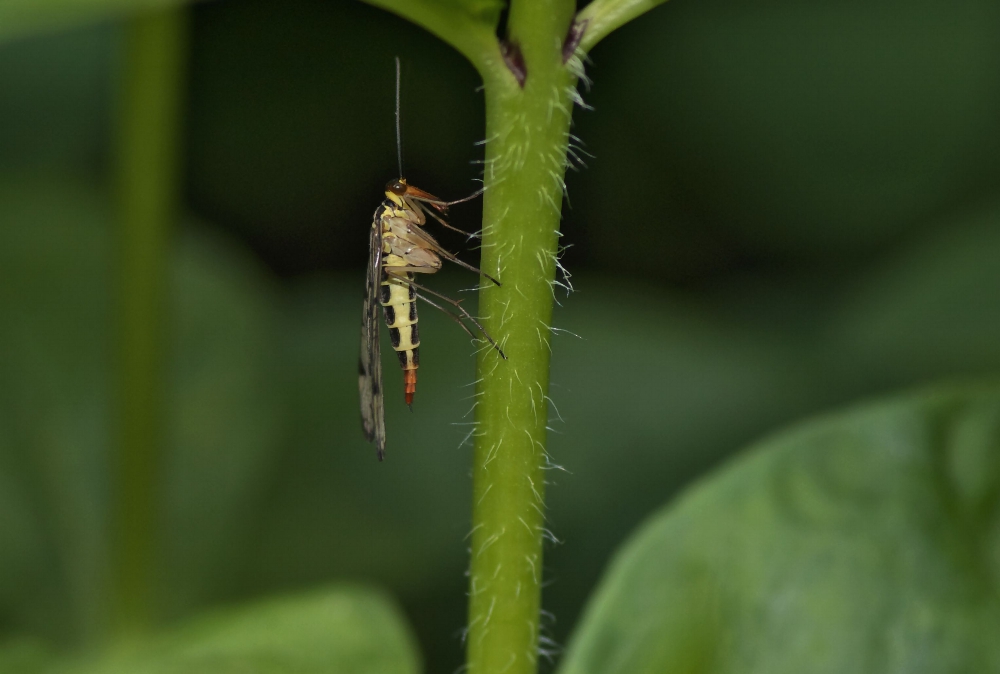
{"x": 397, "y": 187}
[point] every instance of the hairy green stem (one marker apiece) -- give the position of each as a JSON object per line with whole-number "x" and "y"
{"x": 146, "y": 180}
{"x": 530, "y": 86}
{"x": 527, "y": 131}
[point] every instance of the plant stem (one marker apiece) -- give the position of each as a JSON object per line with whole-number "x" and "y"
{"x": 527, "y": 130}
{"x": 146, "y": 180}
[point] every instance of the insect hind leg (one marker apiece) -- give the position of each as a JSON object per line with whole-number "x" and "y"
{"x": 458, "y": 305}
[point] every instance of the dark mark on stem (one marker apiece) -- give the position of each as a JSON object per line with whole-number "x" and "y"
{"x": 573, "y": 37}
{"x": 514, "y": 59}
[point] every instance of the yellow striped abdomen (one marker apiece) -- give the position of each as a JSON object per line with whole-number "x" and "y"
{"x": 399, "y": 301}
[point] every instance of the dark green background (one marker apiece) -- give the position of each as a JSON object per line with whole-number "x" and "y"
{"x": 790, "y": 205}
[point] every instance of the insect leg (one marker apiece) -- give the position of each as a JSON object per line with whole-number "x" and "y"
{"x": 459, "y": 201}
{"x": 428, "y": 239}
{"x": 455, "y": 303}
{"x": 420, "y": 205}
{"x": 453, "y": 317}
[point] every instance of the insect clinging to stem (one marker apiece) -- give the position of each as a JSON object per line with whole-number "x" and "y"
{"x": 399, "y": 248}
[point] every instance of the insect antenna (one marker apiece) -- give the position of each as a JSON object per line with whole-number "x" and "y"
{"x": 399, "y": 134}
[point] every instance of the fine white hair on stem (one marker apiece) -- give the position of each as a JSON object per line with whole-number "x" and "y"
{"x": 546, "y": 197}
{"x": 548, "y": 648}
{"x": 494, "y": 450}
{"x": 534, "y": 490}
{"x": 471, "y": 409}
{"x": 575, "y": 65}
{"x": 554, "y": 330}
{"x": 473, "y": 530}
{"x": 548, "y": 535}
{"x": 551, "y": 465}
{"x": 484, "y": 141}
{"x": 468, "y": 436}
{"x": 544, "y": 341}
{"x": 554, "y": 408}
{"x": 531, "y": 559}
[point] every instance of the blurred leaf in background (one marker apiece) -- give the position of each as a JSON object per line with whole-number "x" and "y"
{"x": 53, "y": 420}
{"x": 334, "y": 630}
{"x": 342, "y": 630}
{"x": 19, "y": 18}
{"x": 860, "y": 541}
{"x": 782, "y": 135}
{"x": 56, "y": 101}
{"x": 932, "y": 307}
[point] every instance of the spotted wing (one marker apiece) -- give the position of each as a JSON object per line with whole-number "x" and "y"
{"x": 370, "y": 360}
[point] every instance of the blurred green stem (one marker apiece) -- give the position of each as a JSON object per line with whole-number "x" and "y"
{"x": 527, "y": 130}
{"x": 146, "y": 182}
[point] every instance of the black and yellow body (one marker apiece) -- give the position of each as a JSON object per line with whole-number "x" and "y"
{"x": 398, "y": 298}
{"x": 406, "y": 249}
{"x": 400, "y": 249}
{"x": 399, "y": 303}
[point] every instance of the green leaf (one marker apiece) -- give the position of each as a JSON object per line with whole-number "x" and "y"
{"x": 865, "y": 541}
{"x": 23, "y": 17}
{"x": 340, "y": 630}
{"x": 601, "y": 17}
{"x": 467, "y": 25}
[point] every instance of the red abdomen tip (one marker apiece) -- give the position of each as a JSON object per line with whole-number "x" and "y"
{"x": 409, "y": 385}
